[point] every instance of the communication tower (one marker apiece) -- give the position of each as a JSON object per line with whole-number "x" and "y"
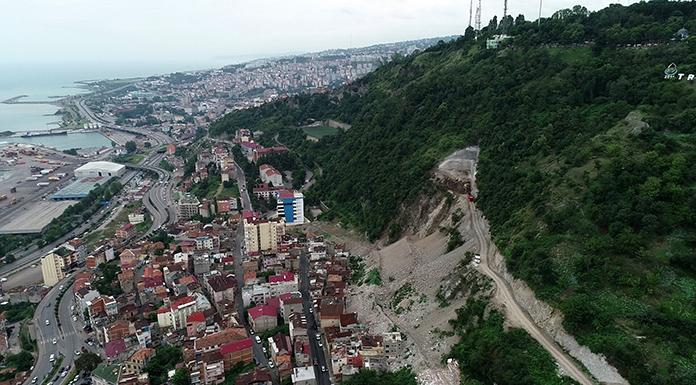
{"x": 478, "y": 16}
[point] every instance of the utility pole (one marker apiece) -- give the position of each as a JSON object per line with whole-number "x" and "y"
{"x": 539, "y": 20}
{"x": 504, "y": 9}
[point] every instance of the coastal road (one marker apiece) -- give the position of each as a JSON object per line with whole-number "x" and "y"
{"x": 513, "y": 310}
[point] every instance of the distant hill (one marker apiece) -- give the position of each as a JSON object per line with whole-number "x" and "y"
{"x": 586, "y": 166}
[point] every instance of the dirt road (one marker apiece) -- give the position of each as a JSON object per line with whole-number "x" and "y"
{"x": 513, "y": 311}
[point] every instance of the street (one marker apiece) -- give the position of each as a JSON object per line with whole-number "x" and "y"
{"x": 69, "y": 336}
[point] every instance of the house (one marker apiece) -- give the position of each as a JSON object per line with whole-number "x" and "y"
{"x": 303, "y": 375}
{"x": 195, "y": 323}
{"x": 114, "y": 348}
{"x": 330, "y": 314}
{"x": 297, "y": 325}
{"x": 290, "y": 304}
{"x": 270, "y": 175}
{"x": 105, "y": 374}
{"x": 126, "y": 280}
{"x": 263, "y": 317}
{"x": 236, "y": 352}
{"x": 259, "y": 376}
{"x": 280, "y": 347}
{"x": 176, "y": 313}
{"x": 302, "y": 351}
{"x": 214, "y": 341}
{"x": 138, "y": 360}
{"x": 125, "y": 231}
{"x": 221, "y": 288}
{"x": 207, "y": 369}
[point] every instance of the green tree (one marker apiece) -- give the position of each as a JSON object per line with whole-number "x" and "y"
{"x": 131, "y": 147}
{"x": 181, "y": 377}
{"x": 87, "y": 361}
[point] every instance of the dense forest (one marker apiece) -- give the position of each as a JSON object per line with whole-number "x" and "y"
{"x": 585, "y": 168}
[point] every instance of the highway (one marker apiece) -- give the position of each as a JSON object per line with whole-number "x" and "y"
{"x": 158, "y": 200}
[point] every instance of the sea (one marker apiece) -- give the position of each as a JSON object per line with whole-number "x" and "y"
{"x": 48, "y": 81}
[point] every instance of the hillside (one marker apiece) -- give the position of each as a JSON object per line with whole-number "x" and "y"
{"x": 585, "y": 166}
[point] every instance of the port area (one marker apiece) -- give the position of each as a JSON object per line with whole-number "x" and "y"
{"x": 28, "y": 177}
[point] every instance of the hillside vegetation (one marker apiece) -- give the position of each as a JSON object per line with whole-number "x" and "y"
{"x": 586, "y": 167}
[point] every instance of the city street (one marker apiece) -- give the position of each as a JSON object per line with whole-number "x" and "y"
{"x": 69, "y": 336}
{"x": 318, "y": 353}
{"x": 238, "y": 252}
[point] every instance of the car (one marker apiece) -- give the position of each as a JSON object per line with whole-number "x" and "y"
{"x": 32, "y": 368}
{"x": 311, "y": 310}
{"x": 258, "y": 339}
{"x": 52, "y": 357}
{"x": 74, "y": 318}
{"x": 321, "y": 345}
{"x": 33, "y": 380}
{"x": 34, "y": 265}
{"x": 251, "y": 331}
{"x": 90, "y": 343}
{"x": 3, "y": 279}
{"x": 72, "y": 308}
{"x": 55, "y": 341}
{"x": 323, "y": 369}
{"x": 48, "y": 322}
{"x": 271, "y": 364}
{"x": 61, "y": 288}
{"x": 264, "y": 349}
{"x": 318, "y": 337}
{"x": 77, "y": 352}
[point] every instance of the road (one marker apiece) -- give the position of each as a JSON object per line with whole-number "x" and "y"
{"x": 158, "y": 200}
{"x": 238, "y": 253}
{"x": 513, "y": 310}
{"x": 69, "y": 335}
{"x": 317, "y": 352}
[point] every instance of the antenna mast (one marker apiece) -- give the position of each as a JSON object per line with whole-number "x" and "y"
{"x": 478, "y": 16}
{"x": 471, "y": 10}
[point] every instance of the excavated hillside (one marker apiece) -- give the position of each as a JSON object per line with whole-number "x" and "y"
{"x": 424, "y": 284}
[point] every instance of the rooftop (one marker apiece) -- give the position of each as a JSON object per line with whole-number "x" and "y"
{"x": 78, "y": 189}
{"x": 100, "y": 165}
{"x": 107, "y": 372}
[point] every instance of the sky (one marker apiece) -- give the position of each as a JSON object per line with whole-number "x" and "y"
{"x": 210, "y": 33}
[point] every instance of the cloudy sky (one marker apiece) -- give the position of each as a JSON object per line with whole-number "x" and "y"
{"x": 215, "y": 32}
